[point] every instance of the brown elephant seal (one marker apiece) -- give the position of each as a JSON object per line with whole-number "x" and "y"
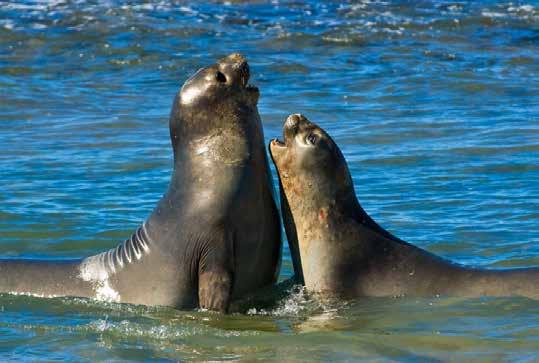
{"x": 214, "y": 235}
{"x": 338, "y": 249}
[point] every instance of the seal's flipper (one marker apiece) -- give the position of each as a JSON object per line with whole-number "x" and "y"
{"x": 216, "y": 274}
{"x": 214, "y": 290}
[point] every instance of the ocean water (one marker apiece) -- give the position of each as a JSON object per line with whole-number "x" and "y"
{"x": 435, "y": 105}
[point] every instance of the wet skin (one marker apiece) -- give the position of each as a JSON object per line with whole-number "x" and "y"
{"x": 200, "y": 247}
{"x": 337, "y": 249}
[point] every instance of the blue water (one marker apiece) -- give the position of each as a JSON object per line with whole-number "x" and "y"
{"x": 435, "y": 105}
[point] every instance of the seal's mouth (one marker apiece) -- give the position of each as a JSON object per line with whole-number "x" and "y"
{"x": 277, "y": 148}
{"x": 277, "y": 144}
{"x": 251, "y": 89}
{"x": 244, "y": 75}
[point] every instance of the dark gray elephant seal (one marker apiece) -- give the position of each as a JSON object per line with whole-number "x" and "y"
{"x": 338, "y": 249}
{"x": 214, "y": 235}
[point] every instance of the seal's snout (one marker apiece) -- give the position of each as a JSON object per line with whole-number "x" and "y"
{"x": 293, "y": 121}
{"x": 235, "y": 69}
{"x": 234, "y": 58}
{"x": 292, "y": 125}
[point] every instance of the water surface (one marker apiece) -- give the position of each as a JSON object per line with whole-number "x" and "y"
{"x": 435, "y": 105}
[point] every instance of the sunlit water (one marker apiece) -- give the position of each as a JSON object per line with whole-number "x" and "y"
{"x": 434, "y": 104}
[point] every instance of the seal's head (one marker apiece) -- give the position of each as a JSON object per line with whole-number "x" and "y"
{"x": 216, "y": 97}
{"x": 311, "y": 168}
{"x": 227, "y": 78}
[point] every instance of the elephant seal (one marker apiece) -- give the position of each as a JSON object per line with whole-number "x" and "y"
{"x": 338, "y": 249}
{"x": 213, "y": 236}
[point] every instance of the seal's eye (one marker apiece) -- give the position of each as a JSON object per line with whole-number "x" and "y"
{"x": 220, "y": 77}
{"x": 312, "y": 139}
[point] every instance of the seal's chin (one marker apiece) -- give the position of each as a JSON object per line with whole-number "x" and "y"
{"x": 251, "y": 88}
{"x": 276, "y": 148}
{"x": 252, "y": 93}
{"x": 278, "y": 143}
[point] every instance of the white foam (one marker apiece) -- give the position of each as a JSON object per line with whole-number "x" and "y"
{"x": 22, "y": 293}
{"x": 188, "y": 10}
{"x": 105, "y": 292}
{"x": 492, "y": 14}
{"x": 18, "y": 6}
{"x": 92, "y": 270}
{"x": 454, "y": 8}
{"x": 522, "y": 8}
{"x": 7, "y": 24}
{"x": 38, "y": 26}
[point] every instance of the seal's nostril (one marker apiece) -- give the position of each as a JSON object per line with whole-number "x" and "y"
{"x": 293, "y": 120}
{"x": 220, "y": 77}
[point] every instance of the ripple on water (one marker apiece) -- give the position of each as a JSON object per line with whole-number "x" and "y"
{"x": 434, "y": 105}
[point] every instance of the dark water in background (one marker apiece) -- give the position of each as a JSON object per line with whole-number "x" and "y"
{"x": 435, "y": 105}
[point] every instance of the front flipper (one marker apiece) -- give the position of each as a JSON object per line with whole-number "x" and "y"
{"x": 214, "y": 290}
{"x": 216, "y": 274}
